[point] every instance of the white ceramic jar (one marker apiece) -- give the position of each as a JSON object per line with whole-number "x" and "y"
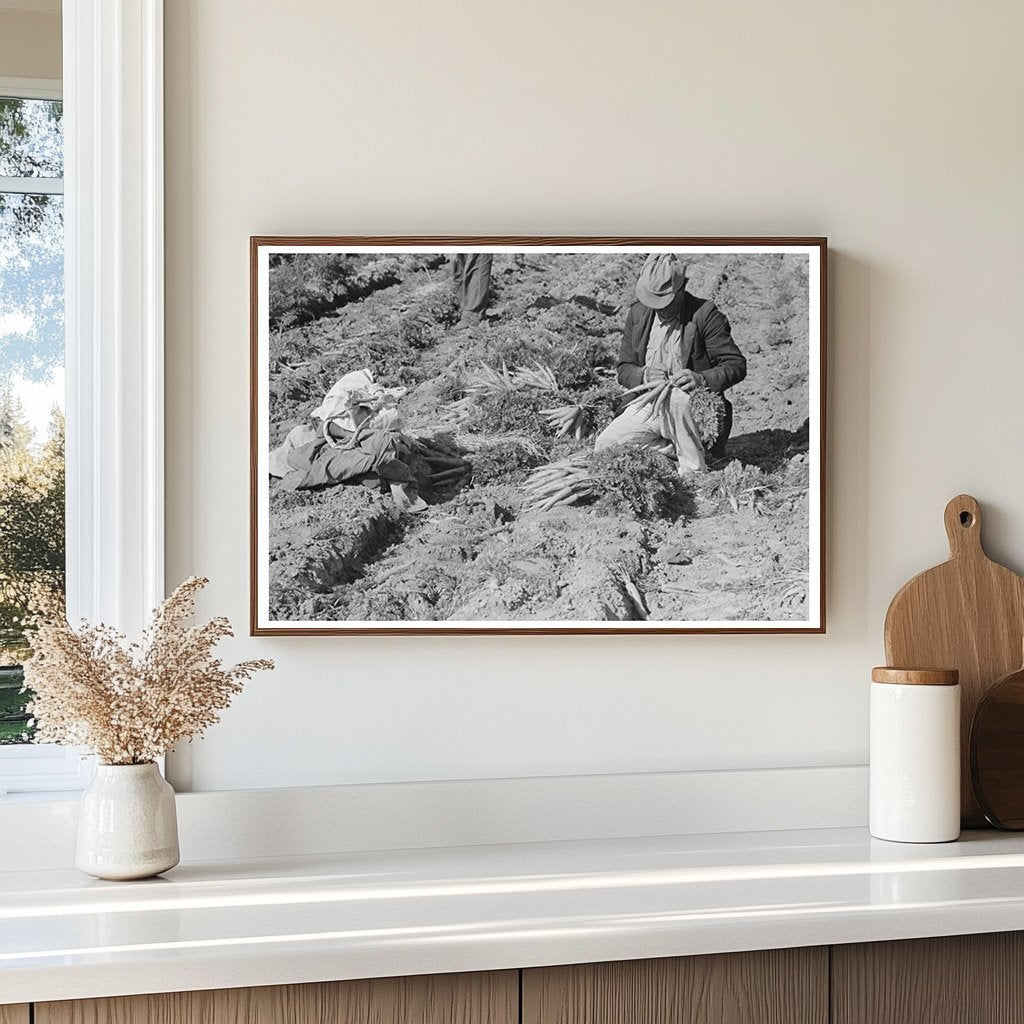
{"x": 127, "y": 823}
{"x": 915, "y": 755}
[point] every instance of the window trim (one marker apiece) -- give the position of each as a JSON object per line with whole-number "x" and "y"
{"x": 31, "y": 186}
{"x": 43, "y": 768}
{"x": 32, "y": 88}
{"x": 113, "y": 169}
{"x": 114, "y": 347}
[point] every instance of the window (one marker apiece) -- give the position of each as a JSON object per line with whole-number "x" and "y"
{"x": 112, "y": 214}
{"x": 32, "y": 531}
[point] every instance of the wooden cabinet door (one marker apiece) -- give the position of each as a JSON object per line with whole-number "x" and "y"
{"x": 14, "y": 1014}
{"x": 778, "y": 986}
{"x": 484, "y": 998}
{"x": 962, "y": 979}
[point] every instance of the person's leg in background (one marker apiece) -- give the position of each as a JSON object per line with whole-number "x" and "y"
{"x": 471, "y": 272}
{"x": 459, "y": 279}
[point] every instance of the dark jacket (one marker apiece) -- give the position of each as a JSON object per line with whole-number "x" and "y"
{"x": 707, "y": 344}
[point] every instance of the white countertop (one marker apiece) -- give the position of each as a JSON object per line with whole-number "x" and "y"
{"x": 227, "y": 924}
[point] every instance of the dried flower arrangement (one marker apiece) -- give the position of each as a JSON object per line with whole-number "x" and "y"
{"x": 129, "y": 703}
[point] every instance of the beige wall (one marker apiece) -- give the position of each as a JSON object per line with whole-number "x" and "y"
{"x": 29, "y": 44}
{"x": 895, "y": 129}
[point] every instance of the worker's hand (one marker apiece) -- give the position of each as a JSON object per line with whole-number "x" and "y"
{"x": 687, "y": 380}
{"x": 655, "y": 373}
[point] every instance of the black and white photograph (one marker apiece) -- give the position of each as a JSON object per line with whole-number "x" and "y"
{"x": 537, "y": 435}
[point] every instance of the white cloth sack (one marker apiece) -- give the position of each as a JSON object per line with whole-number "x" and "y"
{"x": 358, "y": 399}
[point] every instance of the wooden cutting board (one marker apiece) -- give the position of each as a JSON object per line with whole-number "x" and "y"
{"x": 967, "y": 614}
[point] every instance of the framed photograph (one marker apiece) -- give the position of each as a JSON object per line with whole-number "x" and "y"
{"x": 537, "y": 435}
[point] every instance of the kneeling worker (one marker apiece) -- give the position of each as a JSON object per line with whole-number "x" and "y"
{"x": 671, "y": 334}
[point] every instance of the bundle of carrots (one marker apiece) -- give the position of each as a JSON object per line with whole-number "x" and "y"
{"x": 706, "y": 406}
{"x": 651, "y": 396}
{"x": 566, "y": 419}
{"x": 561, "y": 483}
{"x": 447, "y": 466}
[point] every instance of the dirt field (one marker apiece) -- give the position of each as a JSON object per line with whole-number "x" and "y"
{"x": 732, "y": 544}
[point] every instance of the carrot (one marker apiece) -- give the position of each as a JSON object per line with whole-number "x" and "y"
{"x": 554, "y": 485}
{"x": 661, "y": 405}
{"x": 558, "y": 474}
{"x": 554, "y": 499}
{"x": 641, "y": 403}
{"x": 444, "y": 460}
{"x": 640, "y": 388}
{"x": 448, "y": 474}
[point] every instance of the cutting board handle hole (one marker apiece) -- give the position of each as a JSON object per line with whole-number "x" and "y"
{"x": 966, "y": 519}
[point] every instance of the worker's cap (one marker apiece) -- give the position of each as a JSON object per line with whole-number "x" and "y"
{"x": 661, "y": 280}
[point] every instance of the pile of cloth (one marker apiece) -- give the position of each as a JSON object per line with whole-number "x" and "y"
{"x": 355, "y": 435}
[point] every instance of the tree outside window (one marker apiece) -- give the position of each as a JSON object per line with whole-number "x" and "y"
{"x": 31, "y": 386}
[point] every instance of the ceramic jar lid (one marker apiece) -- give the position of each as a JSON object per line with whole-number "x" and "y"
{"x": 916, "y": 676}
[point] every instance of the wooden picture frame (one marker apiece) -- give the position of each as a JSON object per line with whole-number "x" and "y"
{"x": 797, "y": 448}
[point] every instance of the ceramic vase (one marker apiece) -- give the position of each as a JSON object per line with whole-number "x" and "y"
{"x": 127, "y": 824}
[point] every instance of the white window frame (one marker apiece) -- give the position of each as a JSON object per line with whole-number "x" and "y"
{"x": 113, "y": 222}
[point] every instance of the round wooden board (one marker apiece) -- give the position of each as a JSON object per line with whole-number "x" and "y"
{"x": 997, "y": 752}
